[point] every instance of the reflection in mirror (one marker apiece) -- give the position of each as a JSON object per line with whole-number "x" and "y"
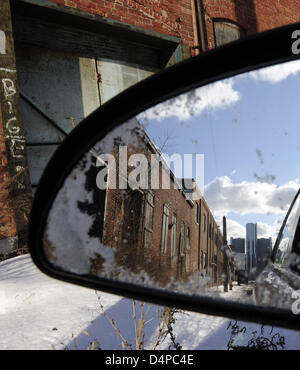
{"x": 190, "y": 195}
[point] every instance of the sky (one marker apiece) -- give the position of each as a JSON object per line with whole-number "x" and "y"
{"x": 247, "y": 127}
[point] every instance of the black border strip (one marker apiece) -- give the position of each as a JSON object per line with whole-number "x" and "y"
{"x": 250, "y": 53}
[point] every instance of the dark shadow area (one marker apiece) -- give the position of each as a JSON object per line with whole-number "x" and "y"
{"x": 103, "y": 331}
{"x": 246, "y": 15}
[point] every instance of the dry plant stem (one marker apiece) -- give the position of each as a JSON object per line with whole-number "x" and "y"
{"x": 141, "y": 326}
{"x": 140, "y": 329}
{"x": 165, "y": 321}
{"x": 146, "y": 322}
{"x": 112, "y": 322}
{"x": 160, "y": 327}
{"x": 134, "y": 321}
{"x": 75, "y": 342}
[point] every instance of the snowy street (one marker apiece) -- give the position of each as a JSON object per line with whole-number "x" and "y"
{"x": 240, "y": 293}
{"x": 37, "y": 312}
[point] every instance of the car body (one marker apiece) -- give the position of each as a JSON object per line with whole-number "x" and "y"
{"x": 279, "y": 282}
{"x": 258, "y": 51}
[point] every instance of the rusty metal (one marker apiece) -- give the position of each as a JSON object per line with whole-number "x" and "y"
{"x": 202, "y": 26}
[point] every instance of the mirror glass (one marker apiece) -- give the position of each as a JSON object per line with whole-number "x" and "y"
{"x": 189, "y": 196}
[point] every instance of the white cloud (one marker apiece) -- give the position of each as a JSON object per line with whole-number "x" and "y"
{"x": 277, "y": 73}
{"x": 223, "y": 196}
{"x": 217, "y": 95}
{"x": 235, "y": 229}
{"x": 267, "y": 231}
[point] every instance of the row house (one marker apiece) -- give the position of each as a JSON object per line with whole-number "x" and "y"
{"x": 162, "y": 231}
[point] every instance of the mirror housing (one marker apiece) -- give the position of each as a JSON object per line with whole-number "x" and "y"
{"x": 248, "y": 54}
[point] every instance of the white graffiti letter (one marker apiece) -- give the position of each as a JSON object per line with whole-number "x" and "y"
{"x": 13, "y": 129}
{"x": 9, "y": 87}
{"x": 17, "y": 147}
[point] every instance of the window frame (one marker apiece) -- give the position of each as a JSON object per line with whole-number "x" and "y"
{"x": 229, "y": 23}
{"x": 165, "y": 229}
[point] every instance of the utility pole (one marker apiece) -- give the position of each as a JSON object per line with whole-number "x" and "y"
{"x": 225, "y": 257}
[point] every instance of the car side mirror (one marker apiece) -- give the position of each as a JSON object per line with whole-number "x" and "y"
{"x": 126, "y": 205}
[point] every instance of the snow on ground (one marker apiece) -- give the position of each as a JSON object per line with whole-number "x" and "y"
{"x": 37, "y": 312}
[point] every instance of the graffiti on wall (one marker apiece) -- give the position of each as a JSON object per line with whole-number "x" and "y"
{"x": 13, "y": 136}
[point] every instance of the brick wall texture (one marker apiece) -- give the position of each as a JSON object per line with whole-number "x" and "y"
{"x": 174, "y": 17}
{"x": 251, "y": 15}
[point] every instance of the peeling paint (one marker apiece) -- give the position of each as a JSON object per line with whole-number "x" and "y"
{"x": 2, "y": 42}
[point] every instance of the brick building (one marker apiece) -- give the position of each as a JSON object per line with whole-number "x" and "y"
{"x": 159, "y": 229}
{"x": 61, "y": 59}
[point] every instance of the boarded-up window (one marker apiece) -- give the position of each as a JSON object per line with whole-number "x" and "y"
{"x": 130, "y": 221}
{"x": 188, "y": 237}
{"x": 148, "y": 219}
{"x": 164, "y": 232}
{"x": 181, "y": 246}
{"x": 173, "y": 236}
{"x": 188, "y": 245}
{"x": 205, "y": 260}
{"x": 226, "y": 32}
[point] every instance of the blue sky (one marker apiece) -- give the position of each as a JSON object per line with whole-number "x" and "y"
{"x": 247, "y": 128}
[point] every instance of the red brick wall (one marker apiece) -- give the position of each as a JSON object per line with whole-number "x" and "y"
{"x": 7, "y": 217}
{"x": 174, "y": 17}
{"x": 251, "y": 15}
{"x": 170, "y": 17}
{"x": 177, "y": 204}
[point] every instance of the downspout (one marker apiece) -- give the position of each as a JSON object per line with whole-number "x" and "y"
{"x": 201, "y": 26}
{"x": 195, "y": 27}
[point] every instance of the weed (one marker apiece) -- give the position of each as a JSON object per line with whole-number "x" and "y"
{"x": 259, "y": 341}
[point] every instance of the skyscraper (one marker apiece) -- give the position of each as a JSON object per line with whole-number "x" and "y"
{"x": 251, "y": 242}
{"x": 237, "y": 244}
